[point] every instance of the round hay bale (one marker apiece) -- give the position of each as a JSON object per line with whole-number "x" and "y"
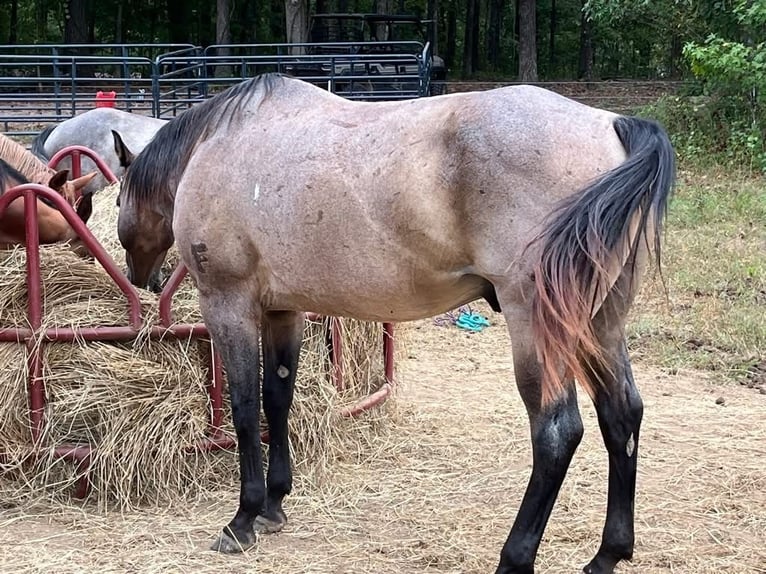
{"x": 143, "y": 403}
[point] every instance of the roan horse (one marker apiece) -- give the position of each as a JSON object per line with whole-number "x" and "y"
{"x": 18, "y": 166}
{"x": 285, "y": 198}
{"x": 92, "y": 129}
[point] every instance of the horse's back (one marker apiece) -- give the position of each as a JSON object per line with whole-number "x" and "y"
{"x": 417, "y": 202}
{"x": 93, "y": 129}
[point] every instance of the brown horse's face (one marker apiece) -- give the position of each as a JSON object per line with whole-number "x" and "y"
{"x": 145, "y": 234}
{"x": 146, "y": 237}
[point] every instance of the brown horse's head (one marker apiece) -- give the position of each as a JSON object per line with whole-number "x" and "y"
{"x": 144, "y": 226}
{"x": 73, "y": 192}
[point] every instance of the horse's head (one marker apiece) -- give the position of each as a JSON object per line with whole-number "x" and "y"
{"x": 145, "y": 231}
{"x": 74, "y": 192}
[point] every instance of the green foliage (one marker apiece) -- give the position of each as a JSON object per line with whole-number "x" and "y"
{"x": 723, "y": 118}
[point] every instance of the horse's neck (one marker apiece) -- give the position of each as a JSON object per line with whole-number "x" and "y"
{"x": 24, "y": 162}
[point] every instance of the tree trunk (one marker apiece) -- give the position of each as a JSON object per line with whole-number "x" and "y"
{"x": 276, "y": 11}
{"x": 494, "y": 27}
{"x": 471, "y": 41}
{"x": 41, "y": 20}
{"x": 384, "y": 7}
{"x": 118, "y": 25}
{"x": 432, "y": 13}
{"x": 247, "y": 30}
{"x": 527, "y": 41}
{"x": 205, "y": 24}
{"x": 449, "y": 55}
{"x": 13, "y": 27}
{"x": 585, "y": 68}
{"x": 222, "y": 33}
{"x": 552, "y": 40}
{"x": 297, "y": 23}
{"x": 676, "y": 56}
{"x": 76, "y": 22}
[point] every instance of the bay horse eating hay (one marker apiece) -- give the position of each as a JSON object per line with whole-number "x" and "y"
{"x": 285, "y": 198}
{"x": 17, "y": 167}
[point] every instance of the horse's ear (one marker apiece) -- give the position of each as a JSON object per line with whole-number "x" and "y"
{"x": 85, "y": 206}
{"x": 125, "y": 156}
{"x": 57, "y": 181}
{"x": 83, "y": 180}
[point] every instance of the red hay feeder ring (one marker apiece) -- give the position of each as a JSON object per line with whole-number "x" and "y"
{"x": 34, "y": 336}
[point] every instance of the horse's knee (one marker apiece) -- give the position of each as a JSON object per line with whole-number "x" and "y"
{"x": 556, "y": 435}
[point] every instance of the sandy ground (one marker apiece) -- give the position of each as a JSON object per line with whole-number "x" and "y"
{"x": 438, "y": 490}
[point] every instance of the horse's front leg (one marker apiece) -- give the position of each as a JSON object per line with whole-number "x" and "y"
{"x": 282, "y": 336}
{"x": 232, "y": 320}
{"x": 556, "y": 432}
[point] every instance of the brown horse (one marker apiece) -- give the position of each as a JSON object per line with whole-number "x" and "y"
{"x": 35, "y": 171}
{"x": 53, "y": 226}
{"x": 284, "y": 198}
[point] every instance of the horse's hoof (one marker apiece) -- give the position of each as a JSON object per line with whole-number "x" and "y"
{"x": 269, "y": 525}
{"x": 226, "y": 543}
{"x": 600, "y": 565}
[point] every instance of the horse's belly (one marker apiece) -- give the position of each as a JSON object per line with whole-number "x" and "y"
{"x": 393, "y": 298}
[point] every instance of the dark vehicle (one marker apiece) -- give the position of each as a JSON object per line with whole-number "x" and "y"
{"x": 388, "y": 55}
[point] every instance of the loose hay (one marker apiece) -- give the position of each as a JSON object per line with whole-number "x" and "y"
{"x": 144, "y": 402}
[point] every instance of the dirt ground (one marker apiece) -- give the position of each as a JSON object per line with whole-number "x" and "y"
{"x": 439, "y": 489}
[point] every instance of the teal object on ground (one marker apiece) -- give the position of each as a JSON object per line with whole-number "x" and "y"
{"x": 471, "y": 322}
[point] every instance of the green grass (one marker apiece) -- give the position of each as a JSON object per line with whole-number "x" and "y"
{"x": 714, "y": 265}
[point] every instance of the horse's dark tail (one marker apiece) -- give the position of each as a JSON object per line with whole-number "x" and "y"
{"x": 586, "y": 245}
{"x": 38, "y": 144}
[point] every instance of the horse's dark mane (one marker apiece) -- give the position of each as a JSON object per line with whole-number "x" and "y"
{"x": 38, "y": 144}
{"x": 9, "y": 174}
{"x": 7, "y": 171}
{"x": 154, "y": 174}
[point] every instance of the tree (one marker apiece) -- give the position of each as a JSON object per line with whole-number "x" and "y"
{"x": 76, "y": 22}
{"x": 471, "y": 42}
{"x": 494, "y": 29}
{"x": 527, "y": 41}
{"x": 297, "y": 23}
{"x": 585, "y": 64}
{"x": 13, "y": 25}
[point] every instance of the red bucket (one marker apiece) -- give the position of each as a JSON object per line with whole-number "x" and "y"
{"x": 105, "y": 99}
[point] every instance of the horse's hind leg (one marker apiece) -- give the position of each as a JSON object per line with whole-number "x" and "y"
{"x": 282, "y": 335}
{"x": 233, "y": 323}
{"x": 620, "y": 410}
{"x": 556, "y": 432}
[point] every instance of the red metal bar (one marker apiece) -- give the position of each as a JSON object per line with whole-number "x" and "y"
{"x": 95, "y": 248}
{"x": 369, "y": 401}
{"x": 35, "y": 389}
{"x": 170, "y": 288}
{"x": 76, "y": 164}
{"x": 76, "y": 151}
{"x": 210, "y": 444}
{"x": 34, "y": 337}
{"x": 68, "y": 334}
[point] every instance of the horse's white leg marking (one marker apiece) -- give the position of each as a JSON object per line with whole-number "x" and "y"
{"x": 283, "y": 372}
{"x": 630, "y": 446}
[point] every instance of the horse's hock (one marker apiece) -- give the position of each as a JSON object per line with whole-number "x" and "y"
{"x": 126, "y": 385}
